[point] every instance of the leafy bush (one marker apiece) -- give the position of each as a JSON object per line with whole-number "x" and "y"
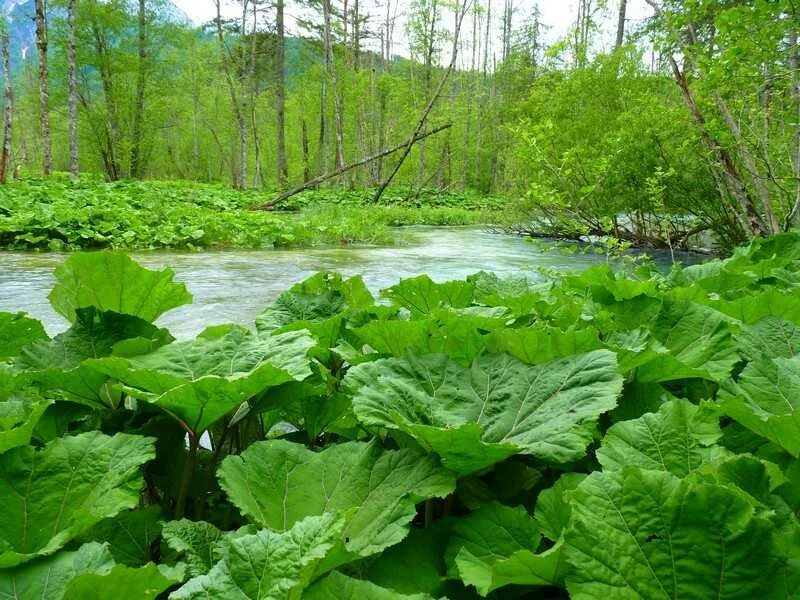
{"x": 59, "y": 214}
{"x": 602, "y": 434}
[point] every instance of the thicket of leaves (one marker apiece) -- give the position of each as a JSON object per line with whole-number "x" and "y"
{"x": 62, "y": 214}
{"x": 594, "y": 435}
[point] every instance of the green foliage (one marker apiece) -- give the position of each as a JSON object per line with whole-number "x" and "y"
{"x": 609, "y": 434}
{"x": 59, "y": 214}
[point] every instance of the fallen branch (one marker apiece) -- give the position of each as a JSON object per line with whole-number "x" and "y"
{"x": 344, "y": 169}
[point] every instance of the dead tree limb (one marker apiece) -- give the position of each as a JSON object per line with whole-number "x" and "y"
{"x": 341, "y": 170}
{"x": 431, "y": 103}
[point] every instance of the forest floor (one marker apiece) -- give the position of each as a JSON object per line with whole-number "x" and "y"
{"x": 61, "y": 214}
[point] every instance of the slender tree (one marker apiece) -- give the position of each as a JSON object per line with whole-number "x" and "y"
{"x": 136, "y": 166}
{"x": 240, "y": 179}
{"x": 44, "y": 94}
{"x": 280, "y": 98}
{"x": 72, "y": 84}
{"x": 254, "y": 92}
{"x": 8, "y": 103}
{"x": 108, "y": 131}
{"x": 331, "y": 72}
{"x": 623, "y": 13}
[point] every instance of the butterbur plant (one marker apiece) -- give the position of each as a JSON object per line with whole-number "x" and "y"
{"x": 608, "y": 434}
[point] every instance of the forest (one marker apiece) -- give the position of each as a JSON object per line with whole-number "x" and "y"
{"x": 656, "y": 131}
{"x": 400, "y": 300}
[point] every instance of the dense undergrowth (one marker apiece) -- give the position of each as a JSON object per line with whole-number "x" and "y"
{"x": 60, "y": 214}
{"x": 611, "y": 435}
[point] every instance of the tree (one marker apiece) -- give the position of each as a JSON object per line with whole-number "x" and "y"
{"x": 707, "y": 37}
{"x": 623, "y": 11}
{"x": 240, "y": 179}
{"x": 331, "y": 72}
{"x": 106, "y": 125}
{"x": 136, "y": 164}
{"x": 254, "y": 92}
{"x": 72, "y": 94}
{"x": 280, "y": 96}
{"x": 44, "y": 94}
{"x": 8, "y": 103}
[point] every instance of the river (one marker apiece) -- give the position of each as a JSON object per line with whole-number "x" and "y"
{"x": 233, "y": 286}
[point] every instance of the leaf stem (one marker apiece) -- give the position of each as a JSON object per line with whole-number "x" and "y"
{"x": 188, "y": 472}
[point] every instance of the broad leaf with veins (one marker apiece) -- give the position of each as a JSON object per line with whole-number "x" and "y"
{"x": 477, "y": 416}
{"x": 55, "y": 494}
{"x": 278, "y": 483}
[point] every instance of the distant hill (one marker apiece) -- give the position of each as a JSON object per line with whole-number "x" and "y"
{"x": 22, "y": 29}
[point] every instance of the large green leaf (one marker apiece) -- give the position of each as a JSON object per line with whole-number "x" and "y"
{"x": 770, "y": 337}
{"x": 48, "y": 578}
{"x": 475, "y": 417}
{"x": 142, "y": 583}
{"x": 17, "y": 331}
{"x": 679, "y": 438}
{"x": 113, "y": 281}
{"x": 422, "y": 296}
{"x": 461, "y": 335}
{"x": 267, "y": 565}
{"x": 553, "y": 510}
{"x": 278, "y": 483}
{"x": 766, "y": 400}
{"x": 767, "y": 302}
{"x": 316, "y": 299}
{"x": 541, "y": 344}
{"x": 201, "y": 381}
{"x": 698, "y": 343}
{"x": 57, "y": 364}
{"x": 19, "y": 416}
{"x": 414, "y": 565}
{"x": 196, "y": 542}
{"x": 496, "y": 546}
{"x": 55, "y": 494}
{"x": 341, "y": 587}
{"x": 130, "y": 535}
{"x": 93, "y": 335}
{"x": 646, "y": 534}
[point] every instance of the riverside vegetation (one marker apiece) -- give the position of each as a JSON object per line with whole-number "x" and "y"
{"x": 604, "y": 434}
{"x": 62, "y": 214}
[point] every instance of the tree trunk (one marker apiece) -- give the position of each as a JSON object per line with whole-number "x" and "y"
{"x": 257, "y": 179}
{"x": 759, "y": 181}
{"x": 623, "y": 12}
{"x": 330, "y": 71}
{"x": 44, "y": 94}
{"x": 72, "y": 84}
{"x": 110, "y": 135}
{"x": 730, "y": 174}
{"x": 430, "y": 46}
{"x": 241, "y": 175}
{"x": 306, "y": 156}
{"x": 8, "y": 105}
{"x": 794, "y": 215}
{"x": 508, "y": 14}
{"x": 356, "y": 36}
{"x": 484, "y": 93}
{"x": 136, "y": 166}
{"x": 280, "y": 99}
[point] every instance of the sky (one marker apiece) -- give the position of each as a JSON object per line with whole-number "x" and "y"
{"x": 559, "y": 15}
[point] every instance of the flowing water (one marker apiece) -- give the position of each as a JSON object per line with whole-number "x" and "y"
{"x": 233, "y": 286}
